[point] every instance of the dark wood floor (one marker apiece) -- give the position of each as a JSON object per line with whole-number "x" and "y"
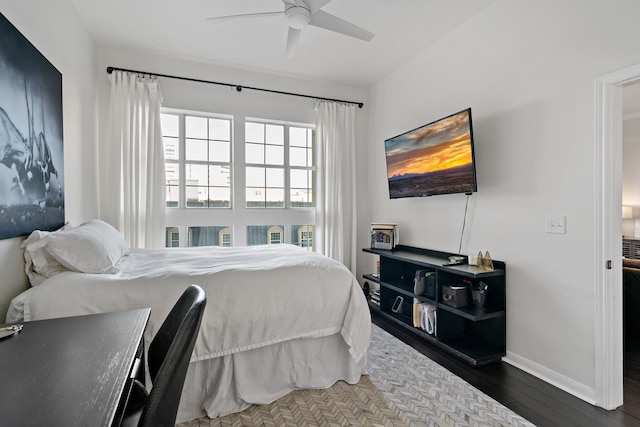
{"x": 532, "y": 398}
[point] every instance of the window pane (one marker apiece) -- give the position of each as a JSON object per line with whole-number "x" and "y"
{"x": 219, "y": 151}
{"x": 172, "y": 196}
{"x": 171, "y": 171}
{"x": 298, "y": 137}
{"x": 275, "y": 177}
{"x": 254, "y": 153}
{"x": 275, "y": 134}
{"x": 171, "y": 150}
{"x": 219, "y": 197}
{"x": 220, "y": 129}
{"x": 210, "y": 236}
{"x": 274, "y": 155}
{"x": 196, "y": 174}
{"x": 172, "y": 237}
{"x": 220, "y": 176}
{"x": 301, "y": 198}
{"x": 265, "y": 234}
{"x": 169, "y": 125}
{"x": 254, "y": 132}
{"x": 255, "y": 177}
{"x": 196, "y": 149}
{"x": 275, "y": 197}
{"x": 298, "y": 156}
{"x": 303, "y": 236}
{"x": 195, "y": 127}
{"x": 255, "y": 197}
{"x": 300, "y": 178}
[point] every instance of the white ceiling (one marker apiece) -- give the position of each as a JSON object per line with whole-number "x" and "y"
{"x": 402, "y": 28}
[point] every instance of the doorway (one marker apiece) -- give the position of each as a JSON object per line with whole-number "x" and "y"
{"x": 631, "y": 241}
{"x": 609, "y": 343}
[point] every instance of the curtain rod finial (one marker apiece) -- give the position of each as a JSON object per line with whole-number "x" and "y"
{"x": 360, "y": 105}
{"x": 109, "y": 70}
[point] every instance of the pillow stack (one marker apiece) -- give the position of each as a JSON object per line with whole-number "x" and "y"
{"x": 92, "y": 247}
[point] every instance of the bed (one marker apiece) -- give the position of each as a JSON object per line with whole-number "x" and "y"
{"x": 278, "y": 317}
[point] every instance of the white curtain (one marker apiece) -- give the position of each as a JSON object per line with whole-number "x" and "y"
{"x": 335, "y": 204}
{"x": 132, "y": 176}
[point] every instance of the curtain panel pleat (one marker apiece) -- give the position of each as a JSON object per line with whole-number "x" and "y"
{"x": 335, "y": 203}
{"x": 132, "y": 177}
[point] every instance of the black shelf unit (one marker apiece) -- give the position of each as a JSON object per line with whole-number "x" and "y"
{"x": 476, "y": 336}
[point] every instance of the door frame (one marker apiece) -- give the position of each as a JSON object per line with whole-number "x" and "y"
{"x": 609, "y": 339}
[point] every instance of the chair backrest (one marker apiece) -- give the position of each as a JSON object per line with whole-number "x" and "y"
{"x": 168, "y": 358}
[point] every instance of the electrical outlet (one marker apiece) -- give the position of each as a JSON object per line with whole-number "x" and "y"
{"x": 556, "y": 224}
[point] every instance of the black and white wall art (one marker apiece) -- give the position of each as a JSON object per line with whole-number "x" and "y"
{"x": 31, "y": 144}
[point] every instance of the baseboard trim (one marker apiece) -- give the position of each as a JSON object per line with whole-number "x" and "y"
{"x": 572, "y": 387}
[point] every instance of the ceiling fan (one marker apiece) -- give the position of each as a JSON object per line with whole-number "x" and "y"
{"x": 300, "y": 13}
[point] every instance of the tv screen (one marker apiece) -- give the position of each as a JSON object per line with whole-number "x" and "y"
{"x": 436, "y": 158}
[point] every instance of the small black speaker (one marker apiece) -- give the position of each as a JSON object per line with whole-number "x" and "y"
{"x": 366, "y": 288}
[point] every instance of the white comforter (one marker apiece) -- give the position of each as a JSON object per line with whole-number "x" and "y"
{"x": 256, "y": 295}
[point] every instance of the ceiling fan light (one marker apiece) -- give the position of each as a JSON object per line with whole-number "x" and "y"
{"x": 297, "y": 17}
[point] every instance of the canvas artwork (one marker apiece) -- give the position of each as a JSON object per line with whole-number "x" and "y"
{"x": 31, "y": 145}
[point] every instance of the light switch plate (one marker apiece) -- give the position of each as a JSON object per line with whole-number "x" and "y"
{"x": 556, "y": 224}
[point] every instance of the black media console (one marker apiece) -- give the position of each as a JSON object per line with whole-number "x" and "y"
{"x": 475, "y": 335}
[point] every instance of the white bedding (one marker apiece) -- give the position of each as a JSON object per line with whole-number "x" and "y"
{"x": 256, "y": 295}
{"x": 278, "y": 318}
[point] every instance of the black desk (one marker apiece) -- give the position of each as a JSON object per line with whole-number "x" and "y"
{"x": 72, "y": 371}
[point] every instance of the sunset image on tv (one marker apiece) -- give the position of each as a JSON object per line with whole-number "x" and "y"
{"x": 434, "y": 159}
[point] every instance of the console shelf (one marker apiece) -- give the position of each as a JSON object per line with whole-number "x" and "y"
{"x": 475, "y": 335}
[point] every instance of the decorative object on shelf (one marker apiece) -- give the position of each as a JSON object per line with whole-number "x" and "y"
{"x": 472, "y": 259}
{"x": 484, "y": 261}
{"x": 479, "y": 295}
{"x": 397, "y": 305}
{"x": 456, "y": 259}
{"x": 487, "y": 264}
{"x": 424, "y": 283}
{"x": 384, "y": 236}
{"x": 455, "y": 295}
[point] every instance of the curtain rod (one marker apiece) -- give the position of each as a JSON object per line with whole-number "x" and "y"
{"x": 238, "y": 87}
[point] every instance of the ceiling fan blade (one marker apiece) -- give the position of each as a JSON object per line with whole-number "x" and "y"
{"x": 243, "y": 16}
{"x": 292, "y": 41}
{"x": 316, "y": 5}
{"x": 329, "y": 22}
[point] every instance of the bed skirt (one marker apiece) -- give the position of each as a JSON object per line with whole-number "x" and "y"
{"x": 231, "y": 383}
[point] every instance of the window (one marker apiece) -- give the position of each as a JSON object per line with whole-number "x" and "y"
{"x": 224, "y": 238}
{"x": 302, "y": 235}
{"x": 279, "y": 159}
{"x": 197, "y": 152}
{"x": 275, "y": 235}
{"x": 272, "y": 162}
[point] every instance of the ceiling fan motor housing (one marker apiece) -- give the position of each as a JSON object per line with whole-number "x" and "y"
{"x": 297, "y": 17}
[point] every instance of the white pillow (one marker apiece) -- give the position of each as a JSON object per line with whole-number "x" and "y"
{"x": 91, "y": 247}
{"x": 39, "y": 264}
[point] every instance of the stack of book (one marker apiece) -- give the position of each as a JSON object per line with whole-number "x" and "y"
{"x": 375, "y": 297}
{"x": 384, "y": 236}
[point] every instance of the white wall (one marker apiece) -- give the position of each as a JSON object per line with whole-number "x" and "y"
{"x": 54, "y": 29}
{"x": 528, "y": 71}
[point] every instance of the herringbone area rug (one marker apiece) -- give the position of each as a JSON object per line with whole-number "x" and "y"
{"x": 403, "y": 388}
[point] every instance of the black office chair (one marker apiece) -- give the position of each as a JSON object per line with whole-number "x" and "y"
{"x": 168, "y": 359}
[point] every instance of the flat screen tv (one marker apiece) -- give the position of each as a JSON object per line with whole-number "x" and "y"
{"x": 436, "y": 158}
